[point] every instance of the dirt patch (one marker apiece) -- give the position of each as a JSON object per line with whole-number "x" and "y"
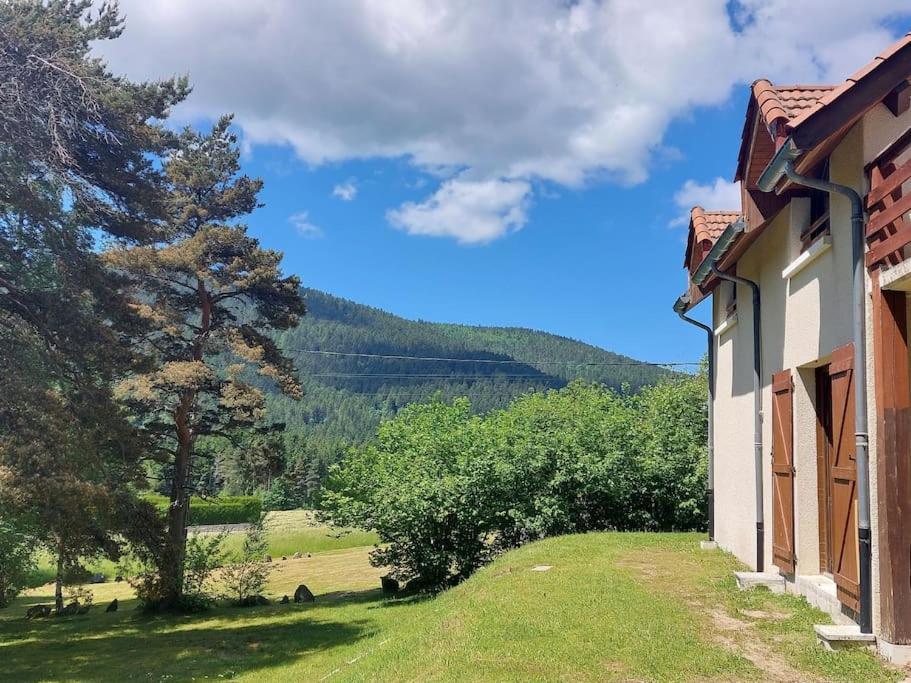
{"x": 725, "y": 622}
{"x": 774, "y": 615}
{"x": 773, "y": 666}
{"x": 736, "y": 634}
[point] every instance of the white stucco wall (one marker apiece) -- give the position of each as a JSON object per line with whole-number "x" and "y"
{"x": 803, "y": 319}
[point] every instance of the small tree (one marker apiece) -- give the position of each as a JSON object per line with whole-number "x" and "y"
{"x": 17, "y": 557}
{"x": 212, "y": 294}
{"x": 244, "y": 578}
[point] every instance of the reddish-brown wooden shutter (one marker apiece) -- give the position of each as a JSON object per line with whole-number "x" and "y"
{"x": 843, "y": 478}
{"x": 783, "y": 471}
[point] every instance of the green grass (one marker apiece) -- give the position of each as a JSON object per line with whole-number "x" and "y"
{"x": 613, "y": 607}
{"x": 288, "y": 532}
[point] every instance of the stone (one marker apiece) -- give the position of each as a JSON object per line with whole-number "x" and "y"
{"x": 113, "y": 606}
{"x": 285, "y": 600}
{"x": 267, "y": 558}
{"x": 253, "y": 601}
{"x": 542, "y": 568}
{"x": 708, "y": 545}
{"x": 303, "y": 594}
{"x": 389, "y": 584}
{"x": 284, "y": 558}
{"x": 98, "y": 578}
{"x": 38, "y": 611}
{"x": 70, "y": 610}
{"x": 297, "y": 556}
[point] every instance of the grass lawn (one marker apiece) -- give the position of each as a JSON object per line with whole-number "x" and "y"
{"x": 288, "y": 532}
{"x": 612, "y": 607}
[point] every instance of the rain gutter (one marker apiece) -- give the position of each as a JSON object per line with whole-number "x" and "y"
{"x": 680, "y": 308}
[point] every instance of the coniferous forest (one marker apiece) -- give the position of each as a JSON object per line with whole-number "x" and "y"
{"x": 349, "y": 384}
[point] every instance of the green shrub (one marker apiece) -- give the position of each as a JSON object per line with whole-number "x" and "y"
{"x": 446, "y": 490}
{"x": 222, "y": 510}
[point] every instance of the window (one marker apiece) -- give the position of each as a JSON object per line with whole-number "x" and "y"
{"x": 731, "y": 302}
{"x": 819, "y": 224}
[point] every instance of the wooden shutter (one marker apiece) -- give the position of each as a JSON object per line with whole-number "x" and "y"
{"x": 783, "y": 471}
{"x": 843, "y": 478}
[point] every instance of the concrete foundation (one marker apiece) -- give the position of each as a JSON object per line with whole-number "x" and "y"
{"x": 749, "y": 580}
{"x": 900, "y": 655}
{"x": 840, "y": 636}
{"x": 708, "y": 545}
{"x": 820, "y": 591}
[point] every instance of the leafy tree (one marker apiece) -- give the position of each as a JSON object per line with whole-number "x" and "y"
{"x": 17, "y": 556}
{"x": 190, "y": 290}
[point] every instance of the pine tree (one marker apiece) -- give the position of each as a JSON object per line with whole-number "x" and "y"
{"x": 77, "y": 160}
{"x": 192, "y": 290}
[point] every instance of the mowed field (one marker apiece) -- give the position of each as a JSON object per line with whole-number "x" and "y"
{"x": 646, "y": 607}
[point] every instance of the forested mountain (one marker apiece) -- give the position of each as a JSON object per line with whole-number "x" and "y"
{"x": 345, "y": 396}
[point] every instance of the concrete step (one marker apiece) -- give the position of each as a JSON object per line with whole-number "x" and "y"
{"x": 841, "y": 636}
{"x": 749, "y": 580}
{"x": 821, "y": 592}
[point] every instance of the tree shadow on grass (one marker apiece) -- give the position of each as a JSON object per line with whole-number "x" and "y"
{"x": 128, "y": 645}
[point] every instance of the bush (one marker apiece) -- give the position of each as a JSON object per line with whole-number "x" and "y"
{"x": 244, "y": 579}
{"x": 446, "y": 490}
{"x": 221, "y": 510}
{"x": 205, "y": 554}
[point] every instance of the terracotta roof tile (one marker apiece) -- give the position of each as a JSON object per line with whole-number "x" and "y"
{"x": 705, "y": 228}
{"x": 708, "y": 225}
{"x": 787, "y": 102}
{"x": 849, "y": 82}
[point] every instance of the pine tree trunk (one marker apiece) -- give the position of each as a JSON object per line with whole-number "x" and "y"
{"x": 178, "y": 512}
{"x": 179, "y": 509}
{"x": 58, "y": 581}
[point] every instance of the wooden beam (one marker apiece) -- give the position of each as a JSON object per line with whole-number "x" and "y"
{"x": 893, "y": 461}
{"x": 899, "y": 99}
{"x": 889, "y": 184}
{"x": 880, "y": 220}
{"x": 881, "y": 250}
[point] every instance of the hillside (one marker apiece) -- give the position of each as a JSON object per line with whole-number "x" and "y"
{"x": 613, "y": 607}
{"x": 347, "y": 395}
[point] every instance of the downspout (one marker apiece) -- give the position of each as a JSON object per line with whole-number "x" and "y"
{"x": 783, "y": 165}
{"x": 680, "y": 309}
{"x": 757, "y": 407}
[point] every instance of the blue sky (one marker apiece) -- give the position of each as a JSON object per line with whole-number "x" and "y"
{"x": 600, "y": 263}
{"x": 518, "y": 162}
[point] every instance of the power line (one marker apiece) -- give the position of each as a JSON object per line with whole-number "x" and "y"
{"x": 493, "y": 360}
{"x": 537, "y": 378}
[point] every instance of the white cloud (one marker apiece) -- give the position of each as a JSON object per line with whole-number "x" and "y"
{"x": 301, "y": 223}
{"x": 346, "y": 191}
{"x": 719, "y": 195}
{"x": 471, "y": 211}
{"x": 513, "y": 90}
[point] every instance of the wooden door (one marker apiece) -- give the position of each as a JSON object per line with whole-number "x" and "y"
{"x": 783, "y": 471}
{"x": 843, "y": 478}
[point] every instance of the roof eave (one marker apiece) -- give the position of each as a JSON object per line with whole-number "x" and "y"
{"x": 724, "y": 242}
{"x": 775, "y": 169}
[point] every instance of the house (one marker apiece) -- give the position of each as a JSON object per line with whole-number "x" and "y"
{"x": 808, "y": 281}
